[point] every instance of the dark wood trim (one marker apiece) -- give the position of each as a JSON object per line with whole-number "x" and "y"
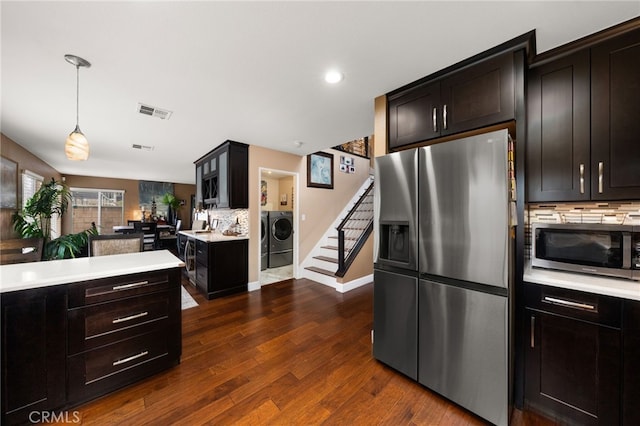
{"x": 585, "y": 42}
{"x": 525, "y": 41}
{"x": 229, "y": 141}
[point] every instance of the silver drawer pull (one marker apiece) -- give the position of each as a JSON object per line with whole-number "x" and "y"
{"x": 131, "y": 358}
{"x": 581, "y": 178}
{"x": 533, "y": 332}
{"x": 132, "y": 285}
{"x": 569, "y": 303}
{"x": 444, "y": 117}
{"x": 129, "y": 318}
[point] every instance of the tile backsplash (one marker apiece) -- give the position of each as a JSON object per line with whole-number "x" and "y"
{"x": 228, "y": 217}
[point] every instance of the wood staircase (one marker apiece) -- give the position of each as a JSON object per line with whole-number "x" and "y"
{"x": 322, "y": 264}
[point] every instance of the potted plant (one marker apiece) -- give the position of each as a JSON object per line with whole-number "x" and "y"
{"x": 173, "y": 203}
{"x": 34, "y": 221}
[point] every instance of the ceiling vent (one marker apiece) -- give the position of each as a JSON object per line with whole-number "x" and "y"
{"x": 142, "y": 147}
{"x": 162, "y": 114}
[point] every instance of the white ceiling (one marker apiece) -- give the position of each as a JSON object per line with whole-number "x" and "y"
{"x": 247, "y": 71}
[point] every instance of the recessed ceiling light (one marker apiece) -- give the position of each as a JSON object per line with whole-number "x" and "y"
{"x": 333, "y": 77}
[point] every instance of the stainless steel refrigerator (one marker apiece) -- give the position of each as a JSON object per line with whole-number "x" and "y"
{"x": 464, "y": 271}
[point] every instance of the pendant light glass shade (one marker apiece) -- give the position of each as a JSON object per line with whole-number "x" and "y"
{"x": 76, "y": 147}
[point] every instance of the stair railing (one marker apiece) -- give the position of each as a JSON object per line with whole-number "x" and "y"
{"x": 356, "y": 226}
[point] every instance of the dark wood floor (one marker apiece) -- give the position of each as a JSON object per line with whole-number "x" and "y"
{"x": 292, "y": 353}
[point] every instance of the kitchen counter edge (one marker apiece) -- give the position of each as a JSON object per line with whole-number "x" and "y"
{"x": 212, "y": 237}
{"x": 32, "y": 275}
{"x": 616, "y": 287}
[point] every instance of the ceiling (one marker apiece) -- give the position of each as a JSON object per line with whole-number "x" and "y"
{"x": 246, "y": 71}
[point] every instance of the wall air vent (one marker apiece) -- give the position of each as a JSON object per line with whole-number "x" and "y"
{"x": 142, "y": 147}
{"x": 162, "y": 114}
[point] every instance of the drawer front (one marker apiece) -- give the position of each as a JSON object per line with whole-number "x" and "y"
{"x": 591, "y": 307}
{"x": 202, "y": 276}
{"x": 202, "y": 251}
{"x": 102, "y": 324}
{"x": 114, "y": 288}
{"x": 102, "y": 370}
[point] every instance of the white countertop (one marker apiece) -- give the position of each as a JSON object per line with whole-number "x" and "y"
{"x": 24, "y": 276}
{"x": 212, "y": 236}
{"x": 617, "y": 287}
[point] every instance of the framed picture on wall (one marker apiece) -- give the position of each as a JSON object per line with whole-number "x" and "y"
{"x": 320, "y": 170}
{"x": 9, "y": 184}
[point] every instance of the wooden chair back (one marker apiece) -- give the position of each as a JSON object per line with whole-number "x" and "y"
{"x": 21, "y": 250}
{"x": 104, "y": 245}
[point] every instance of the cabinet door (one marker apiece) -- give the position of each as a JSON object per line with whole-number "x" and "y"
{"x": 478, "y": 96}
{"x": 223, "y": 180}
{"x": 395, "y": 321}
{"x": 631, "y": 355}
{"x": 414, "y": 116}
{"x": 33, "y": 352}
{"x": 558, "y": 130}
{"x": 199, "y": 190}
{"x": 572, "y": 369}
{"x": 238, "y": 176}
{"x": 615, "y": 101}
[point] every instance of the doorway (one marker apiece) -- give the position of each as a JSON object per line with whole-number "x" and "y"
{"x": 278, "y": 223}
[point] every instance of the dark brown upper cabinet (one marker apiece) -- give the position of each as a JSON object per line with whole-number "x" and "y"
{"x": 222, "y": 177}
{"x": 615, "y": 118}
{"x": 558, "y": 140}
{"x": 478, "y": 95}
{"x": 583, "y": 132}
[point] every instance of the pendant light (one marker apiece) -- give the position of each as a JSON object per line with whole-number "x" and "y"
{"x": 77, "y": 147}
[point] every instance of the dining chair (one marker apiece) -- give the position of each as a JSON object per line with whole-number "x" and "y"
{"x": 108, "y": 244}
{"x": 21, "y": 250}
{"x": 149, "y": 229}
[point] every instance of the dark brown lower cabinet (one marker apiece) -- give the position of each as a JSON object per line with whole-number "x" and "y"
{"x": 222, "y": 267}
{"x": 573, "y": 363}
{"x": 33, "y": 353}
{"x": 631, "y": 369}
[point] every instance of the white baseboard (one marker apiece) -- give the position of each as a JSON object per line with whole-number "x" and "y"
{"x": 253, "y": 286}
{"x": 353, "y": 284}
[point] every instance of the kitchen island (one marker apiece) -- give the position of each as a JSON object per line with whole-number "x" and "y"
{"x": 220, "y": 262}
{"x": 77, "y": 329}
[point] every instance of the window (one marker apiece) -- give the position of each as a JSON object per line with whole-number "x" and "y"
{"x": 104, "y": 207}
{"x": 31, "y": 182}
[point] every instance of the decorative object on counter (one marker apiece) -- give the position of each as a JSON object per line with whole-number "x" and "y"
{"x": 320, "y": 170}
{"x": 8, "y": 184}
{"x": 77, "y": 147}
{"x": 34, "y": 220}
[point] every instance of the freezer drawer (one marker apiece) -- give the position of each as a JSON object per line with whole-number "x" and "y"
{"x": 395, "y": 321}
{"x": 463, "y": 348}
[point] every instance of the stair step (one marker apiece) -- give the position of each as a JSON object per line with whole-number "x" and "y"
{"x": 326, "y": 259}
{"x": 346, "y": 238}
{"x": 321, "y": 271}
{"x": 346, "y": 249}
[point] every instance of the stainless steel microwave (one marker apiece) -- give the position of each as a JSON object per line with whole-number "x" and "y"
{"x": 609, "y": 250}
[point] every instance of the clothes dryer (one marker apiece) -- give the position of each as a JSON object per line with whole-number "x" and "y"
{"x": 280, "y": 238}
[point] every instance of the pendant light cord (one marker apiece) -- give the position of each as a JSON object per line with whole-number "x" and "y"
{"x": 77, "y": 96}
